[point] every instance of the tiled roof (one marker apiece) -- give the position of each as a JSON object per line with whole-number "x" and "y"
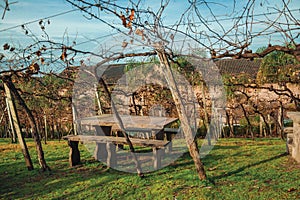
{"x": 238, "y": 66}
{"x": 226, "y": 66}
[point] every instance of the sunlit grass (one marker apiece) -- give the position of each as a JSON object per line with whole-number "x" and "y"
{"x": 236, "y": 168}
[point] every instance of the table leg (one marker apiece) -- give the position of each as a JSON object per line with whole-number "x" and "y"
{"x": 157, "y": 155}
{"x": 74, "y": 155}
{"x": 111, "y": 155}
{"x": 100, "y": 152}
{"x": 169, "y": 138}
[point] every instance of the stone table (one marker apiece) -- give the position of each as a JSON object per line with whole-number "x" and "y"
{"x": 295, "y": 116}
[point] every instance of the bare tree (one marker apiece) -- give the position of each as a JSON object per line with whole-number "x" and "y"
{"x": 6, "y": 7}
{"x": 232, "y": 39}
{"x": 200, "y": 22}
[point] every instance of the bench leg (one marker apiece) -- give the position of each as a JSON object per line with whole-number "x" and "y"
{"x": 111, "y": 155}
{"x": 157, "y": 155}
{"x": 74, "y": 155}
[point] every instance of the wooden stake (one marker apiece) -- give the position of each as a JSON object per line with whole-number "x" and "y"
{"x": 16, "y": 126}
{"x": 191, "y": 143}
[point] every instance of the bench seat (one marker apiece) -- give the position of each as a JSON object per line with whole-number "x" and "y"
{"x": 106, "y": 148}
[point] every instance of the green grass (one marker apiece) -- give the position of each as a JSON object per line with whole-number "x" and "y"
{"x": 236, "y": 168}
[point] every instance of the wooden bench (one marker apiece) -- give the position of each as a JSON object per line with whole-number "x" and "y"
{"x": 106, "y": 148}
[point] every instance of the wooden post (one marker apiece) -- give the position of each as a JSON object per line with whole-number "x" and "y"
{"x": 206, "y": 115}
{"x": 13, "y": 132}
{"x": 98, "y": 101}
{"x": 16, "y": 125}
{"x": 74, "y": 120}
{"x": 191, "y": 143}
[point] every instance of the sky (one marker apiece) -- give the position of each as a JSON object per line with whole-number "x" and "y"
{"x": 72, "y": 24}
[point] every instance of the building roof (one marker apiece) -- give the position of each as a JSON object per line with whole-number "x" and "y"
{"x": 226, "y": 66}
{"x": 239, "y": 66}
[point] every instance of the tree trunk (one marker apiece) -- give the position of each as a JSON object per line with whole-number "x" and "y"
{"x": 248, "y": 121}
{"x": 134, "y": 104}
{"x": 231, "y": 132}
{"x": 280, "y": 121}
{"x": 16, "y": 126}
{"x": 269, "y": 122}
{"x": 191, "y": 143}
{"x": 268, "y": 129}
{"x": 32, "y": 122}
{"x": 261, "y": 128}
{"x": 46, "y": 130}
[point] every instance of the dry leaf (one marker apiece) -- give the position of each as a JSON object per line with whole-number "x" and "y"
{"x": 131, "y": 17}
{"x": 42, "y": 60}
{"x": 172, "y": 37}
{"x": 140, "y": 33}
{"x": 124, "y": 44}
{"x": 123, "y": 18}
{"x": 38, "y": 53}
{"x": 6, "y": 46}
{"x": 63, "y": 54}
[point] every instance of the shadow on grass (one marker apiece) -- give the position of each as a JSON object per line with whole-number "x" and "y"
{"x": 23, "y": 185}
{"x": 248, "y": 166}
{"x": 229, "y": 147}
{"x": 185, "y": 160}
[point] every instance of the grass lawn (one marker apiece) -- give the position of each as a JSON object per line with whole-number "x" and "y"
{"x": 236, "y": 168}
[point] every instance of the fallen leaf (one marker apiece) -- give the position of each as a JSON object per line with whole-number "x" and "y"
{"x": 212, "y": 168}
{"x": 291, "y": 189}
